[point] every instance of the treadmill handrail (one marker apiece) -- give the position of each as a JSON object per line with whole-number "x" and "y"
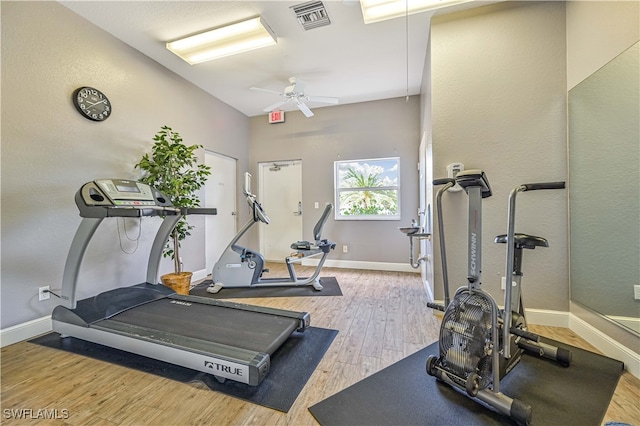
{"x": 81, "y": 239}
{"x": 94, "y": 205}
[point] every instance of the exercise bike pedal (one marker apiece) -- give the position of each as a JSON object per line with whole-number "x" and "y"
{"x": 436, "y": 306}
{"x": 560, "y": 355}
{"x": 524, "y": 333}
{"x": 531, "y": 347}
{"x": 214, "y": 288}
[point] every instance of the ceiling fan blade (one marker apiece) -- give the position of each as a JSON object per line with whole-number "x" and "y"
{"x": 299, "y": 85}
{"x": 274, "y": 106}
{"x": 322, "y": 99}
{"x": 259, "y": 89}
{"x": 305, "y": 109}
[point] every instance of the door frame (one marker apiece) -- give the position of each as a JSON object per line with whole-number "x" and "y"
{"x": 221, "y": 243}
{"x": 261, "y": 189}
{"x": 425, "y": 213}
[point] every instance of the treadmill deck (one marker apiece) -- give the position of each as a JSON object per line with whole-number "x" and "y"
{"x": 253, "y": 331}
{"x": 226, "y": 339}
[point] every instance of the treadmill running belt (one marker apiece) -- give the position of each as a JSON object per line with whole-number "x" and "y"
{"x": 254, "y": 331}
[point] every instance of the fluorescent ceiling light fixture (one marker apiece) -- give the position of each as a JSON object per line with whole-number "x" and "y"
{"x": 224, "y": 41}
{"x": 381, "y": 10}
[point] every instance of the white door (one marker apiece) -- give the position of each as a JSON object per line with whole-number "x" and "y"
{"x": 220, "y": 192}
{"x": 425, "y": 213}
{"x": 280, "y": 186}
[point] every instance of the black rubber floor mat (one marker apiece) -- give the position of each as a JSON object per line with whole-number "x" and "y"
{"x": 403, "y": 394}
{"x": 291, "y": 366}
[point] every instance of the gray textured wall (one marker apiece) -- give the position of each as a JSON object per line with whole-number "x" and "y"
{"x": 386, "y": 128}
{"x": 49, "y": 150}
{"x": 499, "y": 90}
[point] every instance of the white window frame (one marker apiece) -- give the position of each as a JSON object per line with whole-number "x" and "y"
{"x": 338, "y": 190}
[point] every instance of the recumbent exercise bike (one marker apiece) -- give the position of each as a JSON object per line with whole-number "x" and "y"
{"x": 241, "y": 267}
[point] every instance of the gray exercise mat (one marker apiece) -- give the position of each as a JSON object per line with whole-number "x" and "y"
{"x": 330, "y": 288}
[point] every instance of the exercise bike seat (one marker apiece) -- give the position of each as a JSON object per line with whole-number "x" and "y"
{"x": 524, "y": 241}
{"x": 306, "y": 248}
{"x": 324, "y": 246}
{"x": 301, "y": 245}
{"x": 317, "y": 231}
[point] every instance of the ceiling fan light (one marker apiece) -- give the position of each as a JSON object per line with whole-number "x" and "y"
{"x": 229, "y": 40}
{"x": 381, "y": 10}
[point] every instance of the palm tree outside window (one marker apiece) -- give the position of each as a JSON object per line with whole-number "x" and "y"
{"x": 368, "y": 189}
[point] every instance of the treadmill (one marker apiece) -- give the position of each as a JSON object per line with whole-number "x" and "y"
{"x": 228, "y": 340}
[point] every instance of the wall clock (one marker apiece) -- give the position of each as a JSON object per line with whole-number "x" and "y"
{"x": 92, "y": 103}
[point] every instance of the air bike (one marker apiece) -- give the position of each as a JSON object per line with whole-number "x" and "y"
{"x": 241, "y": 267}
{"x": 480, "y": 344}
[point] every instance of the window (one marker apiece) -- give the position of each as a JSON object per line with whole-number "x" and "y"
{"x": 367, "y": 189}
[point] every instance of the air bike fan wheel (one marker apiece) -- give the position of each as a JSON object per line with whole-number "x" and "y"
{"x": 465, "y": 342}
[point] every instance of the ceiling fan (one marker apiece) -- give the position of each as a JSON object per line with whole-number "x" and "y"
{"x": 295, "y": 93}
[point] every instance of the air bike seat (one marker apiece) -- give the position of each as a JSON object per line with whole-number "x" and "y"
{"x": 523, "y": 241}
{"x": 520, "y": 242}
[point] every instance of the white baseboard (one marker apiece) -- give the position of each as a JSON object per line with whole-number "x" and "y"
{"x": 595, "y": 337}
{"x": 36, "y": 327}
{"x": 629, "y": 322}
{"x": 25, "y": 331}
{"x": 542, "y": 317}
{"x": 607, "y": 345}
{"x": 199, "y": 275}
{"x": 360, "y": 264}
{"x": 548, "y": 318}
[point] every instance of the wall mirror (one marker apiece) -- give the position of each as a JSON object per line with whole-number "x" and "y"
{"x": 604, "y": 195}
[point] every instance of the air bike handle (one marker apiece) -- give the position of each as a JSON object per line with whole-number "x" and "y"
{"x": 448, "y": 183}
{"x": 511, "y": 214}
{"x": 438, "y": 182}
{"x": 545, "y": 185}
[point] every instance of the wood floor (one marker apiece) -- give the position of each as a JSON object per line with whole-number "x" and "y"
{"x": 382, "y": 317}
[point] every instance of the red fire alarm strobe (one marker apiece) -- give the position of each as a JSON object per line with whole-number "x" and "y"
{"x": 276, "y": 117}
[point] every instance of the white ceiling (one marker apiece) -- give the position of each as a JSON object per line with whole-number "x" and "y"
{"x": 347, "y": 59}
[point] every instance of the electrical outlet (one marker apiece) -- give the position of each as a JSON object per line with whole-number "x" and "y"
{"x": 345, "y": 249}
{"x": 636, "y": 291}
{"x": 43, "y": 293}
{"x": 503, "y": 284}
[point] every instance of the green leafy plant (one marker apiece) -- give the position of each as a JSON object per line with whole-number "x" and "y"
{"x": 172, "y": 168}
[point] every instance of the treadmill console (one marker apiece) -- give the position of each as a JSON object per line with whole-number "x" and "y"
{"x": 121, "y": 197}
{"x": 127, "y": 192}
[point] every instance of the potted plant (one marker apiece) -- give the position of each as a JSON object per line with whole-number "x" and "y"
{"x": 173, "y": 169}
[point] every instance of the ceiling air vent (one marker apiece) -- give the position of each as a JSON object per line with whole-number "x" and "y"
{"x": 311, "y": 15}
